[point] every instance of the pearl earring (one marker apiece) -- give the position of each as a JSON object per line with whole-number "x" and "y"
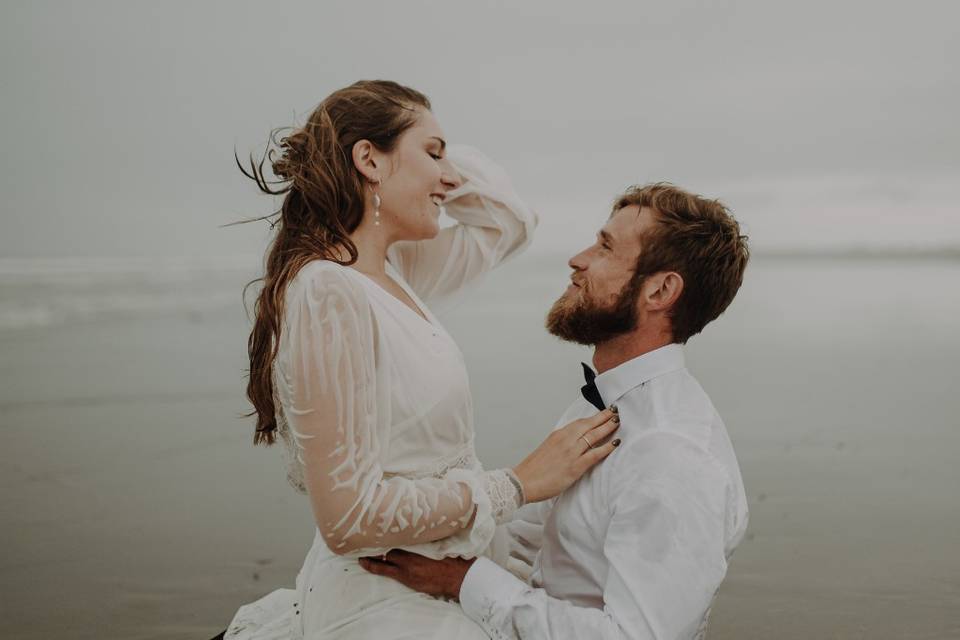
{"x": 376, "y": 207}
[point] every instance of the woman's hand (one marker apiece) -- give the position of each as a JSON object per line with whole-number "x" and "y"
{"x": 567, "y": 454}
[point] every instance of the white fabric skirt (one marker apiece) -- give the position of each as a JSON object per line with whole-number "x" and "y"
{"x": 336, "y": 599}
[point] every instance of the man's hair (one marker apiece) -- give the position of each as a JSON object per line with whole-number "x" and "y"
{"x": 700, "y": 240}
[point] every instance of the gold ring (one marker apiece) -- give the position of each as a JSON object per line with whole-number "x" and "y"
{"x": 587, "y": 441}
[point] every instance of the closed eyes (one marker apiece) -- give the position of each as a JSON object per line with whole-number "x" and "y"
{"x": 604, "y": 238}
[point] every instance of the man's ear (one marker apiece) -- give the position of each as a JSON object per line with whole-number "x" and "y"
{"x": 661, "y": 290}
{"x": 368, "y": 160}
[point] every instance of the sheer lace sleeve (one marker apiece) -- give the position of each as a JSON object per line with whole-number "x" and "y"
{"x": 327, "y": 381}
{"x": 493, "y": 224}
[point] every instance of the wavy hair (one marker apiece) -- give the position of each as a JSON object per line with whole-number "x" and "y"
{"x": 323, "y": 203}
{"x": 699, "y": 239}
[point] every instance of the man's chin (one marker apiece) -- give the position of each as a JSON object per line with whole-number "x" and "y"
{"x": 575, "y": 320}
{"x": 570, "y": 337}
{"x": 562, "y": 321}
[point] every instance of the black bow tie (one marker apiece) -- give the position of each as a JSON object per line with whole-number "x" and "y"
{"x": 589, "y": 390}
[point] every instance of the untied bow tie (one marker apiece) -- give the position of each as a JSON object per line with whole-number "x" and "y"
{"x": 589, "y": 390}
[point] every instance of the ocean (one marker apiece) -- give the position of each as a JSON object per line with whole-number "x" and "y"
{"x": 136, "y": 506}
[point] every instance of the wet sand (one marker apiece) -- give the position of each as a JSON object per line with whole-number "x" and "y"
{"x": 136, "y": 506}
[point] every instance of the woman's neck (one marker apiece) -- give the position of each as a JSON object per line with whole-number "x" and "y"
{"x": 372, "y": 242}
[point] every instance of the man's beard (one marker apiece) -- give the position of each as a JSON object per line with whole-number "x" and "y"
{"x": 584, "y": 321}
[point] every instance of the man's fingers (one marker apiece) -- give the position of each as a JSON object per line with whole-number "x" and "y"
{"x": 397, "y": 556}
{"x": 380, "y": 567}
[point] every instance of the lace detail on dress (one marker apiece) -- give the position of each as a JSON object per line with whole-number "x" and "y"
{"x": 502, "y": 486}
{"x": 503, "y": 489}
{"x": 466, "y": 458}
{"x": 463, "y": 459}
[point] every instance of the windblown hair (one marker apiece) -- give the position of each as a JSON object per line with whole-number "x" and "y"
{"x": 697, "y": 238}
{"x": 323, "y": 204}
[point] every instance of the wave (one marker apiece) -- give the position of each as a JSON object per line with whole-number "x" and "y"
{"x": 98, "y": 270}
{"x": 60, "y": 291}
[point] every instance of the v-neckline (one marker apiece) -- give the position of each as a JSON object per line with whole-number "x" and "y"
{"x": 418, "y": 311}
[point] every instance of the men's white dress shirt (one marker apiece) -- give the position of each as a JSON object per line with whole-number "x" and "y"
{"x": 638, "y": 547}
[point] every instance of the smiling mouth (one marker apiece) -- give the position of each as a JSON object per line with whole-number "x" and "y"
{"x": 437, "y": 199}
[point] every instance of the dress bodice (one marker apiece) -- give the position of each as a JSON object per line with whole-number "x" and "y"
{"x": 426, "y": 410}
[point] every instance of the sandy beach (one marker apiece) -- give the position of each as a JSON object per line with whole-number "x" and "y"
{"x": 135, "y": 505}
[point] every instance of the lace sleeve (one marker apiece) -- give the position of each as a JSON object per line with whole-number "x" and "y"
{"x": 326, "y": 380}
{"x": 506, "y": 493}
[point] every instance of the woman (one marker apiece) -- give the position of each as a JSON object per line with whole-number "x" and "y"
{"x": 365, "y": 388}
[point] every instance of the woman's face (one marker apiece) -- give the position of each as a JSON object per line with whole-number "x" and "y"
{"x": 416, "y": 182}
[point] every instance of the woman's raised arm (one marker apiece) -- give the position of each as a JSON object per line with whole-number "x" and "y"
{"x": 493, "y": 223}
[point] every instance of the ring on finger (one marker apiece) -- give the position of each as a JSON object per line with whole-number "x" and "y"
{"x": 584, "y": 438}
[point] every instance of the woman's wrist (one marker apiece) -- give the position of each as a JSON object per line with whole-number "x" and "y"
{"x": 526, "y": 483}
{"x": 505, "y": 493}
{"x": 518, "y": 485}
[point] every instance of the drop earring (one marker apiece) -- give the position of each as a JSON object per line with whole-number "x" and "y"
{"x": 376, "y": 206}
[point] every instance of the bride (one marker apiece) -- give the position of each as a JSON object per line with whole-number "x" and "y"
{"x": 365, "y": 388}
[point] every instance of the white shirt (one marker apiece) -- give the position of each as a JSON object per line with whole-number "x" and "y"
{"x": 638, "y": 547}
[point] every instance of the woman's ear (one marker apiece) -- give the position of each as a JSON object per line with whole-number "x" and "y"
{"x": 367, "y": 160}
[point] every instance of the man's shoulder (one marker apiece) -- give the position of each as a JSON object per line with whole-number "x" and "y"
{"x": 673, "y": 435}
{"x": 666, "y": 452}
{"x": 674, "y": 403}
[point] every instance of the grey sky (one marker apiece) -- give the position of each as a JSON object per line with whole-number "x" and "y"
{"x": 819, "y": 122}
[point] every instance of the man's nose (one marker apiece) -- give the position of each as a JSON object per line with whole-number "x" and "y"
{"x": 577, "y": 262}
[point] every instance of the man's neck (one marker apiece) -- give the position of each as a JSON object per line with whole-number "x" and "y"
{"x": 628, "y": 346}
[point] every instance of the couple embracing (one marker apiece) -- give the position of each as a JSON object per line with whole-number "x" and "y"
{"x": 619, "y": 525}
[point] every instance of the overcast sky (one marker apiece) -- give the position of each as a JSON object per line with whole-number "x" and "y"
{"x": 820, "y": 123}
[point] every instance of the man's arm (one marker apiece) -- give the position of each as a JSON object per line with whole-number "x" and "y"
{"x": 664, "y": 550}
{"x": 665, "y": 555}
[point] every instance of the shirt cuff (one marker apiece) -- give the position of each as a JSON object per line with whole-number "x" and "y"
{"x": 487, "y": 592}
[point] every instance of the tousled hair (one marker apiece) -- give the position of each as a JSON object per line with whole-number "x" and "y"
{"x": 697, "y": 238}
{"x": 323, "y": 203}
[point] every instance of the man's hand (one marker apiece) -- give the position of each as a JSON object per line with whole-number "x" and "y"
{"x": 433, "y": 577}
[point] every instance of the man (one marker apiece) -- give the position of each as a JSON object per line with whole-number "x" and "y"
{"x": 638, "y": 547}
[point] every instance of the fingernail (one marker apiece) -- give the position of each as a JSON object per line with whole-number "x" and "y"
{"x": 613, "y": 408}
{"x": 616, "y": 442}
{"x": 616, "y": 419}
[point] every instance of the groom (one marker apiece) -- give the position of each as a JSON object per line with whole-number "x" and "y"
{"x": 638, "y": 547}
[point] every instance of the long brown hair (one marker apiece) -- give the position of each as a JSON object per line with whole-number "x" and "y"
{"x": 323, "y": 203}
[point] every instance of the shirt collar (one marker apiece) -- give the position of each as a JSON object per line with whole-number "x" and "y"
{"x": 614, "y": 383}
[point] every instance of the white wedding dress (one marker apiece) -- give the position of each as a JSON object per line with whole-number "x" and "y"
{"x": 375, "y": 411}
